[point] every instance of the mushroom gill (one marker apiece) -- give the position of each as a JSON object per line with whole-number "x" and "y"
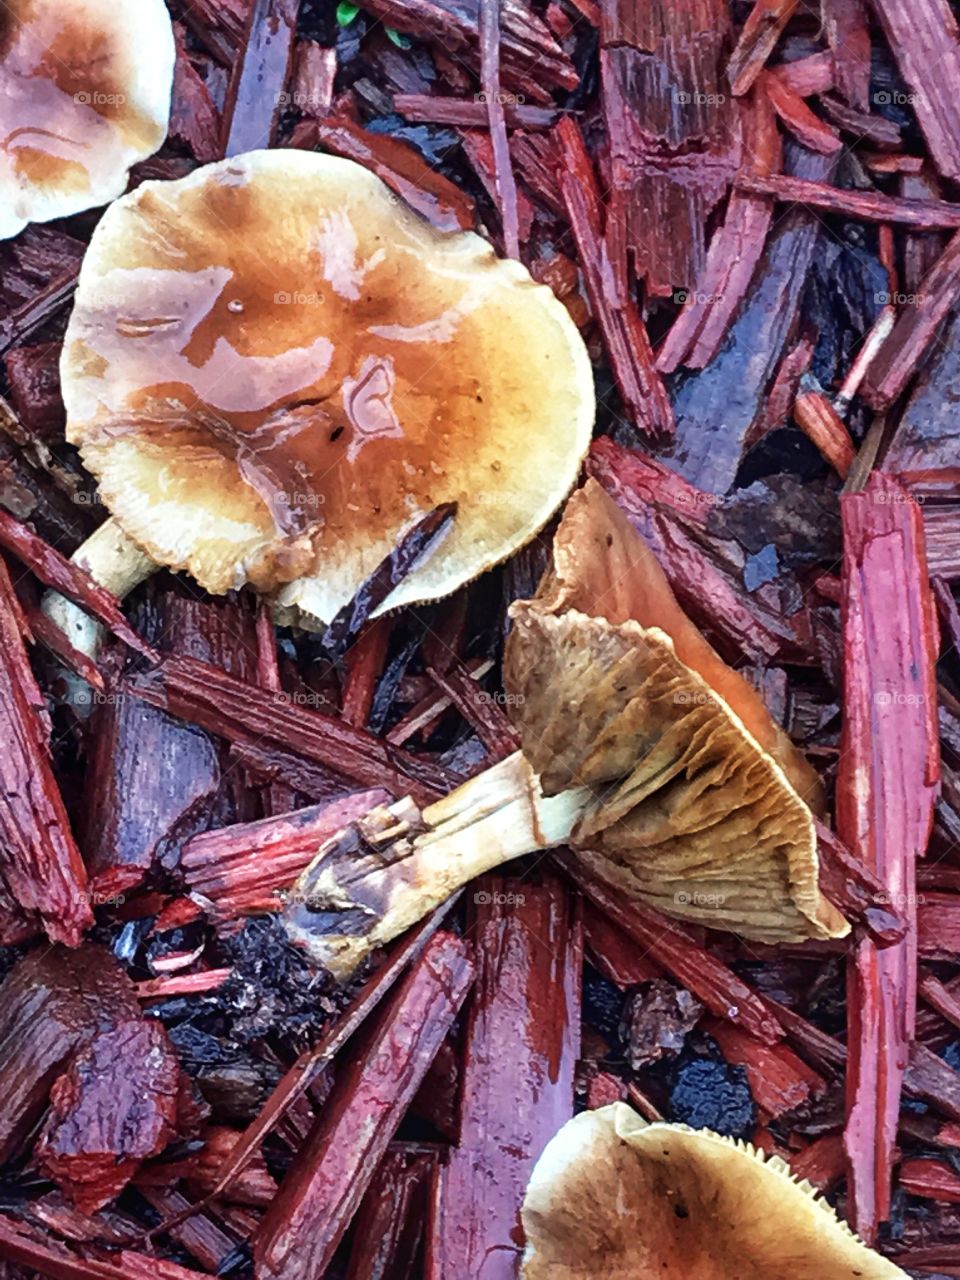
{"x": 642, "y": 750}
{"x": 700, "y": 805}
{"x": 614, "y": 1196}
{"x": 274, "y": 368}
{"x": 84, "y": 93}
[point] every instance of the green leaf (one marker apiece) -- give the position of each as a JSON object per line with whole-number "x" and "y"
{"x": 402, "y": 42}
{"x": 346, "y": 12}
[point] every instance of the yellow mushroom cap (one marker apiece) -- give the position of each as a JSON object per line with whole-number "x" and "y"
{"x": 84, "y": 93}
{"x": 616, "y": 1197}
{"x": 702, "y": 805}
{"x": 274, "y": 368}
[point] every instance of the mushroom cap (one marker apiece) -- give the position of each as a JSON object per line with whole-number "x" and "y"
{"x": 84, "y": 93}
{"x": 274, "y": 368}
{"x": 614, "y": 1196}
{"x": 694, "y": 811}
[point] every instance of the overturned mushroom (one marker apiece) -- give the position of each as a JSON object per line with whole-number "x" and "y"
{"x": 84, "y": 93}
{"x": 617, "y": 1197}
{"x": 641, "y": 748}
{"x": 274, "y": 368}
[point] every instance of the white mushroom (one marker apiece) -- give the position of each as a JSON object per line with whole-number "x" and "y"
{"x": 274, "y": 368}
{"x": 84, "y": 93}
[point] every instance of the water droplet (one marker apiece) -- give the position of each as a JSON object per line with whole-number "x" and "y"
{"x": 235, "y": 305}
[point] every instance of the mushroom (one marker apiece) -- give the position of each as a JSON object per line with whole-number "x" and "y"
{"x": 614, "y": 1196}
{"x": 274, "y": 368}
{"x": 641, "y": 749}
{"x": 84, "y": 93}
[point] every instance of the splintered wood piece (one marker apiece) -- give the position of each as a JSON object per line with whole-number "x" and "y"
{"x": 240, "y": 712}
{"x": 886, "y": 789}
{"x": 468, "y": 113}
{"x": 254, "y": 1186}
{"x": 74, "y": 1036}
{"x": 672, "y": 133}
{"x": 822, "y": 1164}
{"x": 855, "y": 891}
{"x": 397, "y": 164}
{"x": 695, "y": 968}
{"x": 925, "y": 41}
{"x": 914, "y": 332}
{"x": 624, "y": 334}
{"x": 523, "y": 1025}
{"x": 22, "y": 1244}
{"x": 506, "y": 185}
{"x": 42, "y": 876}
{"x": 255, "y": 96}
{"x": 938, "y": 923}
{"x": 115, "y": 1107}
{"x": 663, "y": 507}
{"x": 617, "y": 956}
{"x": 807, "y": 76}
{"x": 760, "y": 33}
{"x": 806, "y": 127}
{"x": 933, "y": 1179}
{"x": 194, "y": 120}
{"x": 487, "y": 719}
{"x": 364, "y": 663}
{"x": 330, "y": 1174}
{"x": 735, "y": 249}
{"x": 150, "y": 776}
{"x": 54, "y": 570}
{"x": 391, "y": 1219}
{"x": 717, "y": 406}
{"x": 244, "y": 868}
{"x": 820, "y": 422}
{"x": 532, "y": 63}
{"x": 866, "y": 206}
{"x": 849, "y": 39}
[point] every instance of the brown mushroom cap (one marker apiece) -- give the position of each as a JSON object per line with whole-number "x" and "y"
{"x": 84, "y": 92}
{"x": 274, "y": 368}
{"x": 616, "y": 1197}
{"x": 696, "y": 805}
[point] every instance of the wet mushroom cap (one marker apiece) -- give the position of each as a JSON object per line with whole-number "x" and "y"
{"x": 616, "y": 1197}
{"x": 693, "y": 811}
{"x": 84, "y": 92}
{"x": 274, "y": 368}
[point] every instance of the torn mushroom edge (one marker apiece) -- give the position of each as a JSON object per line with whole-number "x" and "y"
{"x": 803, "y": 862}
{"x": 565, "y": 1148}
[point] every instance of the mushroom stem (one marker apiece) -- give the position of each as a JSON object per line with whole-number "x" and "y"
{"x": 113, "y": 560}
{"x": 382, "y": 873}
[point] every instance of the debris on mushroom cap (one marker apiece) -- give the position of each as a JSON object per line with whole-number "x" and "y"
{"x": 274, "y": 367}
{"x": 696, "y": 805}
{"x": 84, "y": 93}
{"x": 617, "y": 1197}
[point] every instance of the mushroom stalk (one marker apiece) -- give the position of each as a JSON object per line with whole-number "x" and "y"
{"x": 385, "y": 871}
{"x": 115, "y": 562}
